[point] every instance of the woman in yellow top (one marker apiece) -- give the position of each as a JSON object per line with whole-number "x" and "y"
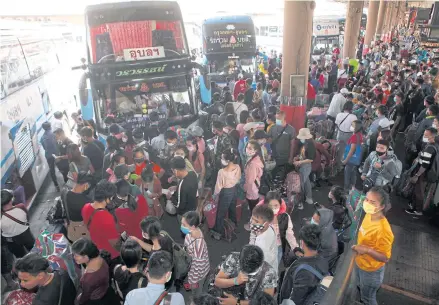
{"x": 374, "y": 245}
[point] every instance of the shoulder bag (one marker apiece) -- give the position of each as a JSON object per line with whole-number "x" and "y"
{"x": 75, "y": 229}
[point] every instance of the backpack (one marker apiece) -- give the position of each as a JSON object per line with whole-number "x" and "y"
{"x": 317, "y": 295}
{"x": 237, "y": 291}
{"x": 266, "y": 183}
{"x": 57, "y": 213}
{"x": 287, "y": 253}
{"x": 410, "y": 134}
{"x": 433, "y": 173}
{"x": 229, "y": 230}
{"x": 182, "y": 260}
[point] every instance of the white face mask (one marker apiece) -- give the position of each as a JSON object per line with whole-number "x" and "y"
{"x": 425, "y": 139}
{"x": 177, "y": 155}
{"x": 276, "y": 211}
{"x": 224, "y": 162}
{"x": 169, "y": 277}
{"x": 191, "y": 148}
{"x": 352, "y": 129}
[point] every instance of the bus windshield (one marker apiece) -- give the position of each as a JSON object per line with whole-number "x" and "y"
{"x": 133, "y": 34}
{"x": 232, "y": 66}
{"x": 145, "y": 102}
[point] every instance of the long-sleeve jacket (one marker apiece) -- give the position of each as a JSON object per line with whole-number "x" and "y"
{"x": 253, "y": 173}
{"x": 387, "y": 171}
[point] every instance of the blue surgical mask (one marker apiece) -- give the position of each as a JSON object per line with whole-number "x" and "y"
{"x": 185, "y": 230}
{"x": 303, "y": 141}
{"x": 279, "y": 122}
{"x": 313, "y": 222}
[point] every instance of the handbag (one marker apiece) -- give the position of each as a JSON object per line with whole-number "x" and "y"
{"x": 75, "y": 229}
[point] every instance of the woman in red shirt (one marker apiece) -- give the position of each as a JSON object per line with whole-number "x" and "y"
{"x": 130, "y": 211}
{"x": 100, "y": 223}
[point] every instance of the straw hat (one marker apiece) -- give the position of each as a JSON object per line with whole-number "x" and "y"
{"x": 304, "y": 134}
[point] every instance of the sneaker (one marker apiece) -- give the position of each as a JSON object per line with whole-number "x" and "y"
{"x": 247, "y": 227}
{"x": 309, "y": 201}
{"x": 300, "y": 206}
{"x": 413, "y": 212}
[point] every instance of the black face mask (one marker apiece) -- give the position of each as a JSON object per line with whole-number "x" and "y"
{"x": 381, "y": 153}
{"x": 138, "y": 160}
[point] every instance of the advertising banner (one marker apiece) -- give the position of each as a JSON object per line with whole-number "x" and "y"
{"x": 325, "y": 28}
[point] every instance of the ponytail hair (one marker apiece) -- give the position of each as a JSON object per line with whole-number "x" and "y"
{"x": 230, "y": 154}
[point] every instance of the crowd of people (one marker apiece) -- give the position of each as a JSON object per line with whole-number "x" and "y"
{"x": 115, "y": 194}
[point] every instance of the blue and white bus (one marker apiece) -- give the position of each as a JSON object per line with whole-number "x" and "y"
{"x": 34, "y": 84}
{"x": 229, "y": 48}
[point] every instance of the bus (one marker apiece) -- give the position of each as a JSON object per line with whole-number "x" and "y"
{"x": 139, "y": 66}
{"x": 229, "y": 47}
{"x": 35, "y": 82}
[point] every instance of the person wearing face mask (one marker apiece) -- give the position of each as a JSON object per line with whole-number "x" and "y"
{"x": 141, "y": 160}
{"x": 96, "y": 217}
{"x": 94, "y": 150}
{"x": 228, "y": 178}
{"x": 118, "y": 157}
{"x": 223, "y": 141}
{"x": 263, "y": 235}
{"x": 196, "y": 157}
{"x": 123, "y": 171}
{"x": 282, "y": 140}
{"x": 337, "y": 203}
{"x": 159, "y": 273}
{"x": 381, "y": 166}
{"x": 297, "y": 287}
{"x": 374, "y": 245}
{"x": 336, "y": 106}
{"x": 428, "y": 101}
{"x": 303, "y": 162}
{"x": 253, "y": 171}
{"x": 112, "y": 147}
{"x": 152, "y": 191}
{"x": 282, "y": 225}
{"x": 186, "y": 195}
{"x": 196, "y": 247}
{"x": 350, "y": 157}
{"x": 425, "y": 174}
{"x": 128, "y": 209}
{"x": 250, "y": 129}
{"x": 183, "y": 152}
{"x": 158, "y": 143}
{"x": 431, "y": 113}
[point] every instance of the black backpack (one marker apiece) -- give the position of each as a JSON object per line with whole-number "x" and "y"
{"x": 266, "y": 184}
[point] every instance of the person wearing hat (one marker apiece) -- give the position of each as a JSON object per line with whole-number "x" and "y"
{"x": 261, "y": 137}
{"x": 307, "y": 153}
{"x": 48, "y": 141}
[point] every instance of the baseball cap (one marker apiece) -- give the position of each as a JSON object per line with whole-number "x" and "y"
{"x": 195, "y": 131}
{"x": 251, "y": 125}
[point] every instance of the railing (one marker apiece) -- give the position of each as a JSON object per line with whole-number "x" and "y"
{"x": 343, "y": 289}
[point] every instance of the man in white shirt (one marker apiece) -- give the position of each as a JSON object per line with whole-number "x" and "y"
{"x": 344, "y": 121}
{"x": 336, "y": 105}
{"x": 263, "y": 235}
{"x": 57, "y": 122}
{"x": 239, "y": 106}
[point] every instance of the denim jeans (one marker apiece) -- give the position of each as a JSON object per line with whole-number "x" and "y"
{"x": 304, "y": 171}
{"x": 369, "y": 283}
{"x": 350, "y": 176}
{"x": 226, "y": 204}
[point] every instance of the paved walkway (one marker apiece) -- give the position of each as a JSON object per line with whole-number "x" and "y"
{"x": 413, "y": 268}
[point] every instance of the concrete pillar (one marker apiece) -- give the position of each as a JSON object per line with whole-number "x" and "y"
{"x": 372, "y": 18}
{"x": 296, "y": 44}
{"x": 352, "y": 27}
{"x": 380, "y": 21}
{"x": 298, "y": 29}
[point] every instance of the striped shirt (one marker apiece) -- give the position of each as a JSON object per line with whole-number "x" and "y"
{"x": 427, "y": 156}
{"x": 200, "y": 266}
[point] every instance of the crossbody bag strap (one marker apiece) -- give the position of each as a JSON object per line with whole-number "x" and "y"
{"x": 61, "y": 289}
{"x": 15, "y": 219}
{"x": 91, "y": 216}
{"x": 279, "y": 135}
{"x": 338, "y": 126}
{"x": 161, "y": 297}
